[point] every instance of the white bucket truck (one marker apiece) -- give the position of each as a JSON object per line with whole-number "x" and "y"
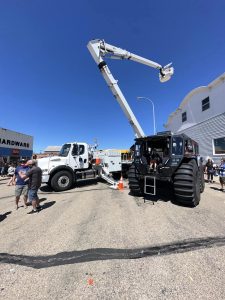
{"x": 79, "y": 161}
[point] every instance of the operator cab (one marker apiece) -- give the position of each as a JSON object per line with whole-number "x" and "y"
{"x": 156, "y": 154}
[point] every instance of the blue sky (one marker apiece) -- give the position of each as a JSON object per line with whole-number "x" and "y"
{"x": 51, "y": 88}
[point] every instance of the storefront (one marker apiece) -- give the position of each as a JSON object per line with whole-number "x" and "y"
{"x": 15, "y": 146}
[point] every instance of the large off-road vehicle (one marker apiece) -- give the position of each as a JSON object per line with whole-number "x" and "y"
{"x": 167, "y": 158}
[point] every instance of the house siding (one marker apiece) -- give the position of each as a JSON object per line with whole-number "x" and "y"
{"x": 205, "y": 132}
{"x": 202, "y": 126}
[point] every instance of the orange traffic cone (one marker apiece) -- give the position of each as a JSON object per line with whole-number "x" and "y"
{"x": 120, "y": 183}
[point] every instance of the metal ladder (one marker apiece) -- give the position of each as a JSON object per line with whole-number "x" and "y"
{"x": 104, "y": 175}
{"x": 150, "y": 185}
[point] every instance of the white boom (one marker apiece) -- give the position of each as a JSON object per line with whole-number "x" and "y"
{"x": 99, "y": 49}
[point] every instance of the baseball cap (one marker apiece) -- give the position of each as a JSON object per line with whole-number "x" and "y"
{"x": 23, "y": 161}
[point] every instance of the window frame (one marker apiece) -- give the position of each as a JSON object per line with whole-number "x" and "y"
{"x": 206, "y": 105}
{"x": 214, "y": 148}
{"x": 184, "y": 116}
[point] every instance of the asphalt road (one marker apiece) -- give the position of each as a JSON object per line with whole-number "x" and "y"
{"x": 93, "y": 242}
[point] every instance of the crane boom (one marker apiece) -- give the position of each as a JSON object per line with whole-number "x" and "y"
{"x": 99, "y": 49}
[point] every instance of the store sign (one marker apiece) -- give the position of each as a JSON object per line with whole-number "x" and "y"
{"x": 14, "y": 143}
{"x": 15, "y": 140}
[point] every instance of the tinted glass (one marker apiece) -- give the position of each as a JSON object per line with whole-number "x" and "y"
{"x": 65, "y": 150}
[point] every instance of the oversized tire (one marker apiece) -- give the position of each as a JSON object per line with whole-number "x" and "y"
{"x": 134, "y": 182}
{"x": 187, "y": 184}
{"x": 62, "y": 181}
{"x": 202, "y": 180}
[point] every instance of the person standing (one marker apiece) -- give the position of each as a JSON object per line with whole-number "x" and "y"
{"x": 5, "y": 169}
{"x": 222, "y": 173}
{"x": 11, "y": 172}
{"x": 34, "y": 183}
{"x": 21, "y": 184}
{"x": 209, "y": 170}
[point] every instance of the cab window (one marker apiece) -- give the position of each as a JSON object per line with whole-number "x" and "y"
{"x": 189, "y": 148}
{"x": 177, "y": 146}
{"x": 65, "y": 150}
{"x": 75, "y": 150}
{"x": 81, "y": 149}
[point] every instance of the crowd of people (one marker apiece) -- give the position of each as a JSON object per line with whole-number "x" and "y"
{"x": 26, "y": 177}
{"x": 212, "y": 170}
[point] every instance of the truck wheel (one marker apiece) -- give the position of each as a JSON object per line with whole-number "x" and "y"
{"x": 134, "y": 182}
{"x": 187, "y": 184}
{"x": 62, "y": 181}
{"x": 202, "y": 180}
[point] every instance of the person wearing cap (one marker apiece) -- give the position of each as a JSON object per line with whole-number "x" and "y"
{"x": 21, "y": 187}
{"x": 34, "y": 174}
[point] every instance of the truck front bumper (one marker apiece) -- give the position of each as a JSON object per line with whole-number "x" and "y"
{"x": 45, "y": 178}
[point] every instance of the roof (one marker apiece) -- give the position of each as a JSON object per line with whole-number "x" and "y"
{"x": 197, "y": 90}
{"x": 53, "y": 149}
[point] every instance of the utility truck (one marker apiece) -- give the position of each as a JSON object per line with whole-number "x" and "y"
{"x": 78, "y": 161}
{"x": 162, "y": 158}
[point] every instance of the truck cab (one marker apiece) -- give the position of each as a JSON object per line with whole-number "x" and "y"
{"x": 60, "y": 172}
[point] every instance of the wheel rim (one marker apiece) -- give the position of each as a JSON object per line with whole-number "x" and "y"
{"x": 63, "y": 181}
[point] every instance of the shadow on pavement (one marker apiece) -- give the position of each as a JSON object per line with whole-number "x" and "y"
{"x": 4, "y": 216}
{"x": 42, "y": 199}
{"x": 47, "y": 204}
{"x": 216, "y": 189}
{"x": 47, "y": 189}
{"x": 98, "y": 254}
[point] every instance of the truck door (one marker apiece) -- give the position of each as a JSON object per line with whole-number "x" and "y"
{"x": 79, "y": 156}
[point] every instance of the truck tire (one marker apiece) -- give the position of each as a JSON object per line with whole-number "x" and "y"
{"x": 62, "y": 181}
{"x": 187, "y": 184}
{"x": 134, "y": 182}
{"x": 202, "y": 180}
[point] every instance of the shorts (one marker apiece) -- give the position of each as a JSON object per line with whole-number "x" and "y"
{"x": 21, "y": 190}
{"x": 222, "y": 180}
{"x": 32, "y": 195}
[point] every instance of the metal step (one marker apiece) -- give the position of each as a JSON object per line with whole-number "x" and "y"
{"x": 150, "y": 185}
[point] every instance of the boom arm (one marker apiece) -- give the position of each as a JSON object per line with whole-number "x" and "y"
{"x": 99, "y": 49}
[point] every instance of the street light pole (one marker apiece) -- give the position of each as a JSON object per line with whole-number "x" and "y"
{"x": 153, "y": 110}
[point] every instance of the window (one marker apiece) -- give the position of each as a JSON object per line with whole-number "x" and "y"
{"x": 65, "y": 150}
{"x": 205, "y": 104}
{"x": 81, "y": 149}
{"x": 75, "y": 150}
{"x": 184, "y": 116}
{"x": 219, "y": 146}
{"x": 177, "y": 146}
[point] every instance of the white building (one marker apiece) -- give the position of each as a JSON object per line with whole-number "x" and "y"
{"x": 14, "y": 145}
{"x": 201, "y": 115}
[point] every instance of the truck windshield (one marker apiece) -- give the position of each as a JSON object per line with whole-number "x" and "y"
{"x": 177, "y": 145}
{"x": 65, "y": 150}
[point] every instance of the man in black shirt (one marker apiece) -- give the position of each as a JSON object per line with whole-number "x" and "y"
{"x": 34, "y": 175}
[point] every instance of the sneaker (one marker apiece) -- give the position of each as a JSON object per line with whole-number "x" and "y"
{"x": 32, "y": 212}
{"x": 39, "y": 207}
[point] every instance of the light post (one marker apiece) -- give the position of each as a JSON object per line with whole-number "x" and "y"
{"x": 153, "y": 111}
